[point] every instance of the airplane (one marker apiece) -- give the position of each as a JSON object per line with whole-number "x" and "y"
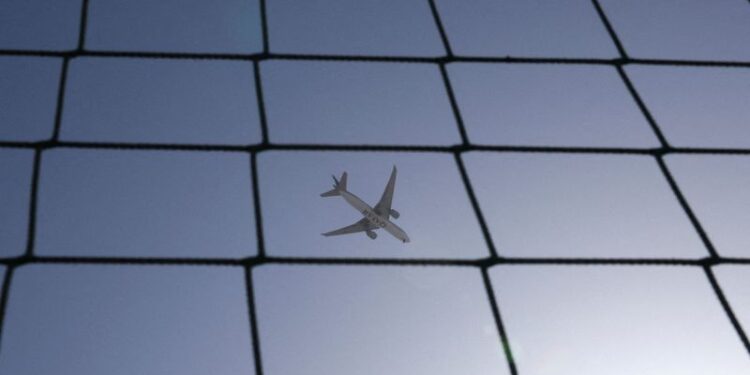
{"x": 374, "y": 218}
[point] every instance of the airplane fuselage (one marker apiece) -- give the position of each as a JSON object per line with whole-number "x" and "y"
{"x": 373, "y": 217}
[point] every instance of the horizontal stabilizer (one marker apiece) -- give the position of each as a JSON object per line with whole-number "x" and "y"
{"x": 330, "y": 193}
{"x": 338, "y": 186}
{"x": 341, "y": 184}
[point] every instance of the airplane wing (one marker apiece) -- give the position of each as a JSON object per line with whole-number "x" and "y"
{"x": 383, "y": 208}
{"x": 360, "y": 226}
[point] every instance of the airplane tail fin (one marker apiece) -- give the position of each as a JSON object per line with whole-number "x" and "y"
{"x": 338, "y": 186}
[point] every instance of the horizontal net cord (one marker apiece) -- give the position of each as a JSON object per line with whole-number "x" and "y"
{"x": 490, "y": 261}
{"x": 259, "y": 148}
{"x": 618, "y": 61}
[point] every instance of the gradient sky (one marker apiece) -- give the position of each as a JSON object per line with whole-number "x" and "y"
{"x": 122, "y": 203}
{"x": 395, "y": 103}
{"x": 161, "y": 101}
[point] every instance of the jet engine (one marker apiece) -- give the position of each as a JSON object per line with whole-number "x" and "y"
{"x": 395, "y": 214}
{"x": 372, "y": 234}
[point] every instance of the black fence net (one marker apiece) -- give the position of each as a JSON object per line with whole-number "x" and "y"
{"x": 249, "y": 263}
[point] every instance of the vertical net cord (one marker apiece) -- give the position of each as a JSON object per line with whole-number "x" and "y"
{"x": 28, "y": 255}
{"x": 665, "y": 146}
{"x": 482, "y": 265}
{"x": 492, "y": 298}
{"x": 261, "y": 252}
{"x": 253, "y": 314}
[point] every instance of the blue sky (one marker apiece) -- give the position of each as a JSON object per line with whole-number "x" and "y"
{"x": 151, "y": 144}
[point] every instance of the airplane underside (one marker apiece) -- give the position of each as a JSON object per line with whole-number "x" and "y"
{"x": 373, "y": 218}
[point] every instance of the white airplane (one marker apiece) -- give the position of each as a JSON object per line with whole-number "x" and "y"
{"x": 374, "y": 218}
